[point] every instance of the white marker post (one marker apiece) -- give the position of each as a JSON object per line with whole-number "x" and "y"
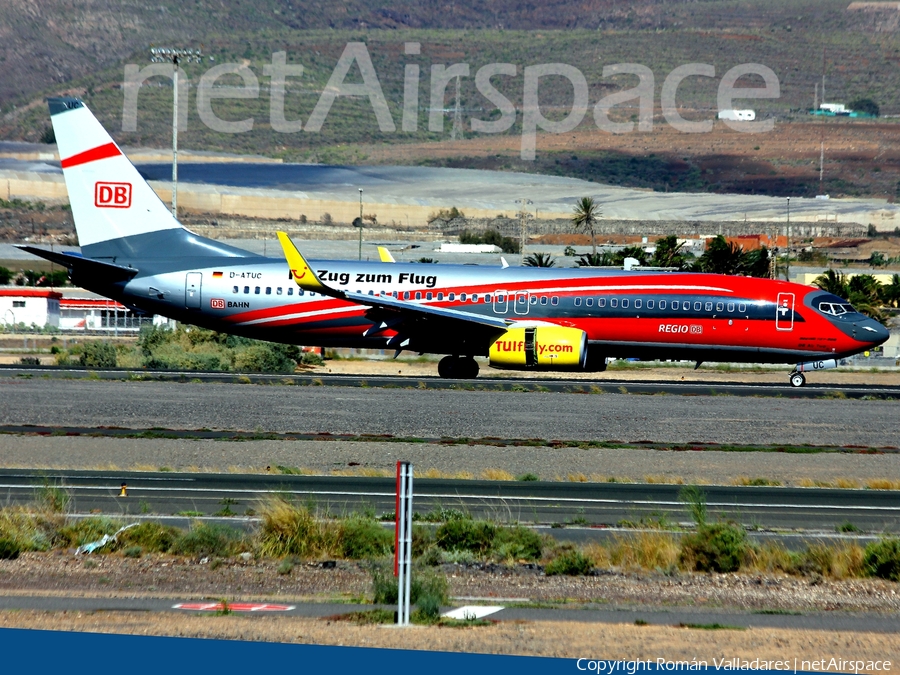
{"x": 403, "y": 540}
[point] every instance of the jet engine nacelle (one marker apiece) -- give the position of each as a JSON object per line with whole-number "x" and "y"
{"x": 541, "y": 348}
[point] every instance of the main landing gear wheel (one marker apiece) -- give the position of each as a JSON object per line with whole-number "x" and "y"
{"x": 797, "y": 379}
{"x": 462, "y": 368}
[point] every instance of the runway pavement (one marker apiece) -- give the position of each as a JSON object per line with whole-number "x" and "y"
{"x": 535, "y": 502}
{"x": 433, "y": 413}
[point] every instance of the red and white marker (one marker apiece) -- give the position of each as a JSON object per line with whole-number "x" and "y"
{"x": 233, "y": 607}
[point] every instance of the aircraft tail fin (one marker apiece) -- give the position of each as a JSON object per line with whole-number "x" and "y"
{"x": 116, "y": 212}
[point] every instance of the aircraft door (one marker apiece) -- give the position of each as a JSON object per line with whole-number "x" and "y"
{"x": 522, "y": 302}
{"x": 784, "y": 312}
{"x": 501, "y": 302}
{"x": 192, "y": 290}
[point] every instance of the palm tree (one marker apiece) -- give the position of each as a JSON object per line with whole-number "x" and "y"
{"x": 890, "y": 293}
{"x": 833, "y": 282}
{"x": 539, "y": 260}
{"x": 721, "y": 257}
{"x": 603, "y": 259}
{"x": 668, "y": 253}
{"x": 586, "y": 214}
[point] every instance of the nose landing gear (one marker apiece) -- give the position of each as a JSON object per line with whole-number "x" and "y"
{"x": 797, "y": 379}
{"x": 458, "y": 367}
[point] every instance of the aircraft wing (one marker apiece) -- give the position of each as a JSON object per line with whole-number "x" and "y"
{"x": 388, "y": 312}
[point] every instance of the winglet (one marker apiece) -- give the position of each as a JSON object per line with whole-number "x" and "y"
{"x": 302, "y": 273}
{"x": 385, "y": 255}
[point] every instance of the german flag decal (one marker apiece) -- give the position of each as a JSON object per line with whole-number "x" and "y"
{"x": 217, "y": 275}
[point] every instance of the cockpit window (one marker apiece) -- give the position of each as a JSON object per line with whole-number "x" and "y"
{"x": 836, "y": 308}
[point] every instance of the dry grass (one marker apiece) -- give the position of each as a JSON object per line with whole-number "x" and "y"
{"x": 643, "y": 550}
{"x": 577, "y": 478}
{"x": 883, "y": 484}
{"x": 770, "y": 558}
{"x": 365, "y": 471}
{"x": 842, "y": 560}
{"x": 646, "y": 550}
{"x": 758, "y": 481}
{"x": 286, "y": 529}
{"x": 664, "y": 480}
{"x": 32, "y": 529}
{"x": 437, "y": 473}
{"x": 599, "y": 554}
{"x": 810, "y": 483}
{"x": 234, "y": 468}
{"x": 497, "y": 474}
{"x": 846, "y": 483}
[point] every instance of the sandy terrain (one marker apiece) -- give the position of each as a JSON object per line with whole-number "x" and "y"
{"x": 115, "y": 576}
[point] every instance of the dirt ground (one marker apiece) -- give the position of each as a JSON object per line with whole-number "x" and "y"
{"x": 860, "y": 155}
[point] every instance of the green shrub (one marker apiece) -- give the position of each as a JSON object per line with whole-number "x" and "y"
{"x": 882, "y": 559}
{"x": 30, "y": 531}
{"x": 422, "y": 539}
{"x": 427, "y": 589}
{"x": 98, "y": 355}
{"x": 720, "y": 547}
{"x": 384, "y": 586}
{"x": 518, "y": 543}
{"x": 51, "y": 497}
{"x": 572, "y": 563}
{"x": 9, "y": 549}
{"x": 133, "y": 552}
{"x": 431, "y": 556}
{"x": 695, "y": 499}
{"x": 476, "y": 536}
{"x": 264, "y": 358}
{"x": 364, "y": 538}
{"x": 206, "y": 539}
{"x": 311, "y": 359}
{"x": 150, "y": 536}
{"x": 429, "y": 595}
{"x": 86, "y": 530}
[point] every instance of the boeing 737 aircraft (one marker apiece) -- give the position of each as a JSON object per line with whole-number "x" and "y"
{"x": 134, "y": 251}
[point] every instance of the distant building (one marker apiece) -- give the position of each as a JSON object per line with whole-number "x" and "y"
{"x": 69, "y": 309}
{"x": 468, "y": 248}
{"x": 29, "y": 307}
{"x": 737, "y": 115}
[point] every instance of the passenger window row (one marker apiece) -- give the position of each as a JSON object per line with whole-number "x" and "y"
{"x": 672, "y": 305}
{"x": 257, "y": 290}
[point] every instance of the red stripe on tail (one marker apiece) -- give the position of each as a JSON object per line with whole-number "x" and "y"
{"x": 92, "y": 155}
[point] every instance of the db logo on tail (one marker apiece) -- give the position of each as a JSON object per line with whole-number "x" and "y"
{"x": 112, "y": 195}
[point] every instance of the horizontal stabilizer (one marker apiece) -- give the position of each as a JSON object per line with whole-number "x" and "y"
{"x": 82, "y": 266}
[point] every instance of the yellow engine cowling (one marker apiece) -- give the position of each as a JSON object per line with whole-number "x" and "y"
{"x": 540, "y": 348}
